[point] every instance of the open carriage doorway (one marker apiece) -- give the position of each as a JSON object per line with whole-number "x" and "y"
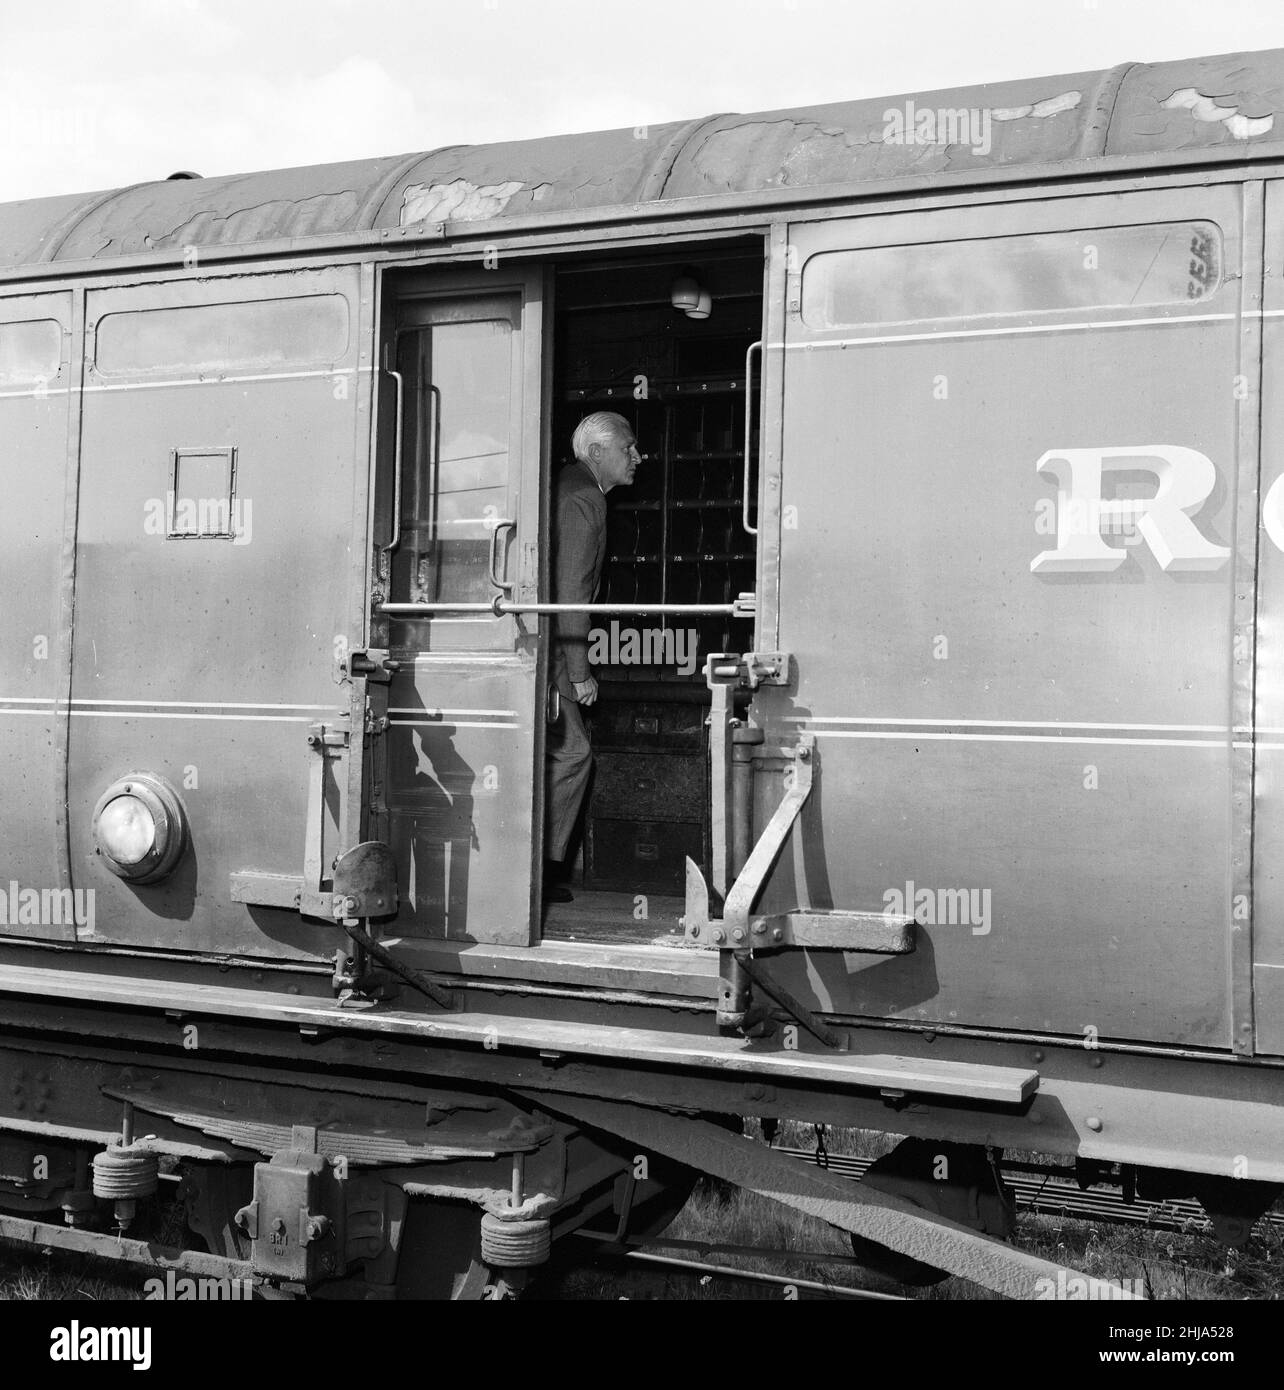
{"x": 665, "y": 342}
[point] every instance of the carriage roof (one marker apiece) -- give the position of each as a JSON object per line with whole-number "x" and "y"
{"x": 1226, "y": 106}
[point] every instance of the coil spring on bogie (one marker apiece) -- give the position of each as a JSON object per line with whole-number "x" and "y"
{"x": 514, "y": 1244}
{"x": 124, "y": 1174}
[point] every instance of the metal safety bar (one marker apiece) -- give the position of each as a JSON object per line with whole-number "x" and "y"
{"x": 500, "y": 606}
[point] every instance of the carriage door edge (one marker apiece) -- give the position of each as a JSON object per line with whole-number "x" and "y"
{"x": 455, "y": 775}
{"x": 222, "y": 446}
{"x": 39, "y": 378}
{"x": 719, "y": 911}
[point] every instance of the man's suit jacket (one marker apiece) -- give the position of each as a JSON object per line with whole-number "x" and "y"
{"x": 579, "y": 541}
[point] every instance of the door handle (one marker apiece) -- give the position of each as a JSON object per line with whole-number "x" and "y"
{"x": 506, "y": 585}
{"x": 744, "y": 487}
{"x": 395, "y": 539}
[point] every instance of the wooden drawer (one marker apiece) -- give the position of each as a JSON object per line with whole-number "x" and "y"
{"x": 643, "y": 786}
{"x": 633, "y": 856}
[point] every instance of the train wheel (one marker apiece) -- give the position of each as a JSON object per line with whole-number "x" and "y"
{"x": 957, "y": 1181}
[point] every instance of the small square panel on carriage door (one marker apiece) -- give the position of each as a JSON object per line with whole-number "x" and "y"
{"x": 202, "y": 495}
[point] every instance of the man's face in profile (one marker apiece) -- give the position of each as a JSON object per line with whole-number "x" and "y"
{"x": 617, "y": 460}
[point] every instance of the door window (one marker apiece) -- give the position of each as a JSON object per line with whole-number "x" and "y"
{"x": 457, "y": 366}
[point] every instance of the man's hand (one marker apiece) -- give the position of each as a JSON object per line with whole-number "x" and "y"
{"x": 585, "y": 691}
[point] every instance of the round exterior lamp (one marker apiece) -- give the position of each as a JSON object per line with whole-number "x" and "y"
{"x": 140, "y": 828}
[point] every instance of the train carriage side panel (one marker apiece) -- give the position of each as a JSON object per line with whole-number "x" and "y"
{"x": 222, "y": 441}
{"x": 1011, "y": 446}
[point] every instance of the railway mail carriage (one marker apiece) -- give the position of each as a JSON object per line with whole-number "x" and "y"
{"x": 948, "y": 807}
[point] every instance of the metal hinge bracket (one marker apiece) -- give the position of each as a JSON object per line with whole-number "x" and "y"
{"x": 737, "y": 935}
{"x": 316, "y": 900}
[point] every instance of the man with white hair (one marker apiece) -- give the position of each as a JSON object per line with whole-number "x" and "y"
{"x": 606, "y": 456}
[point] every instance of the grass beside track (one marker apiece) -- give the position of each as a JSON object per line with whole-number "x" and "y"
{"x": 1173, "y": 1266}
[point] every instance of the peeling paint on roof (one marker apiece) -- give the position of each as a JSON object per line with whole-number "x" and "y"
{"x": 781, "y": 153}
{"x": 457, "y": 201}
{"x": 1159, "y": 107}
{"x": 292, "y": 217}
{"x": 1049, "y": 106}
{"x": 1206, "y": 108}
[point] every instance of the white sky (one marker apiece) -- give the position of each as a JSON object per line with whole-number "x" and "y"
{"x": 99, "y": 93}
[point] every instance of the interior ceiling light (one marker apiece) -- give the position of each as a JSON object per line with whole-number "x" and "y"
{"x": 703, "y": 306}
{"x": 690, "y": 296}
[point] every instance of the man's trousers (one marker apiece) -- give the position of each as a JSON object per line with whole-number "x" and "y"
{"x": 568, "y": 761}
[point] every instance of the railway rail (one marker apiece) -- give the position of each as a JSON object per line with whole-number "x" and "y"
{"x": 1038, "y": 1191}
{"x": 799, "y": 1286}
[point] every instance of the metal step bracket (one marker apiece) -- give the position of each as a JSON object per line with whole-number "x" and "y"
{"x": 325, "y": 741}
{"x": 836, "y": 929}
{"x": 738, "y": 934}
{"x": 308, "y": 894}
